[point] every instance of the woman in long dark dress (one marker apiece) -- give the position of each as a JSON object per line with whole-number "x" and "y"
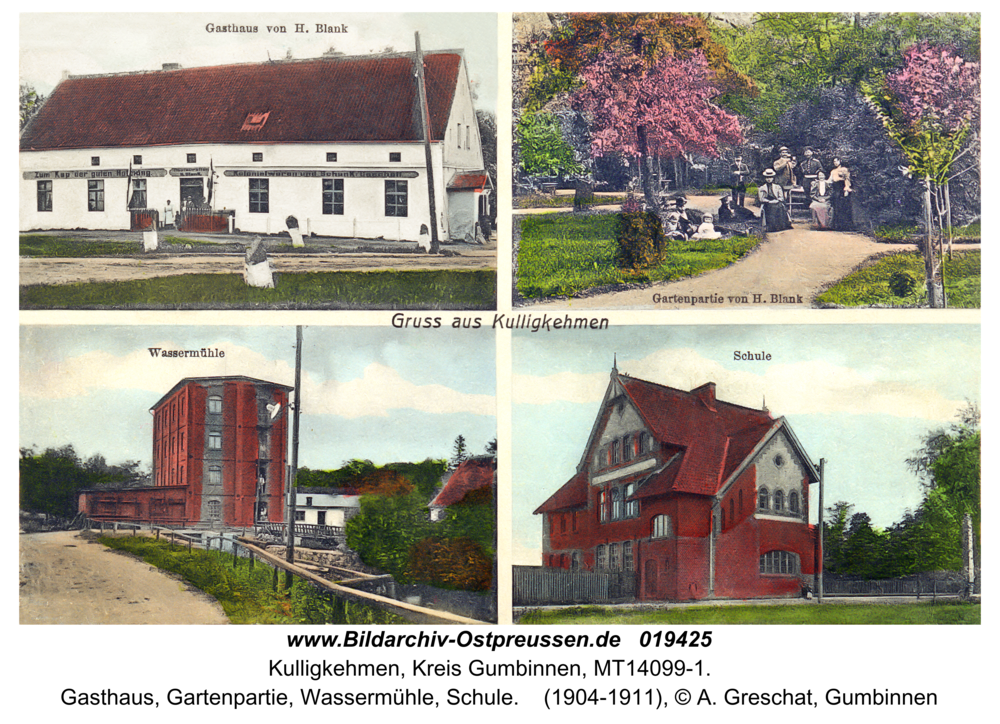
{"x": 840, "y": 197}
{"x": 773, "y": 212}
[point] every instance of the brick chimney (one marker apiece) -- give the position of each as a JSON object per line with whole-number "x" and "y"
{"x": 706, "y": 393}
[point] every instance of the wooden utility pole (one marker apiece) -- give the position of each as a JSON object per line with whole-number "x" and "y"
{"x": 425, "y": 128}
{"x": 293, "y": 470}
{"x": 819, "y": 562}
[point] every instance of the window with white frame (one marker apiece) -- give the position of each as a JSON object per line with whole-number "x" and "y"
{"x": 215, "y": 440}
{"x": 661, "y": 527}
{"x": 260, "y": 192}
{"x": 333, "y": 196}
{"x": 396, "y": 197}
{"x": 763, "y": 499}
{"x": 215, "y": 510}
{"x": 628, "y": 557}
{"x": 616, "y": 556}
{"x": 779, "y": 562}
{"x": 214, "y": 404}
{"x": 601, "y": 557}
{"x": 215, "y": 475}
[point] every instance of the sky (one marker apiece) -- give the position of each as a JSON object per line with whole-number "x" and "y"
{"x": 89, "y": 43}
{"x": 860, "y": 396}
{"x": 367, "y": 392}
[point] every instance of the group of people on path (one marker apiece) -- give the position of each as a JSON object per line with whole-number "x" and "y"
{"x": 829, "y": 197}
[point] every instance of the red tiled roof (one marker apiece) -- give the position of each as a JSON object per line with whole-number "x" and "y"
{"x": 573, "y": 494}
{"x": 370, "y": 98}
{"x": 468, "y": 181}
{"x": 704, "y": 440}
{"x": 715, "y": 436}
{"x": 472, "y": 474}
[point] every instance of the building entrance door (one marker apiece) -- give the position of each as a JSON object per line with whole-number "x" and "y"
{"x": 192, "y": 193}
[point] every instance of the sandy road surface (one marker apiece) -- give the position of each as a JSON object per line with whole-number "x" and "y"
{"x": 67, "y": 579}
{"x": 794, "y": 264}
{"x": 37, "y": 270}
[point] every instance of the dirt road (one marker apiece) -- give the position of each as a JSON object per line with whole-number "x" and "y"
{"x": 67, "y": 579}
{"x": 39, "y": 270}
{"x": 786, "y": 271}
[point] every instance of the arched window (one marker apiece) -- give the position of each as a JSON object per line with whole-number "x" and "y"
{"x": 793, "y": 502}
{"x": 601, "y": 557}
{"x": 779, "y": 562}
{"x": 661, "y": 527}
{"x": 763, "y": 501}
{"x": 779, "y": 500}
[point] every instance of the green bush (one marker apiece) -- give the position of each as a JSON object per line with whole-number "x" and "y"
{"x": 640, "y": 239}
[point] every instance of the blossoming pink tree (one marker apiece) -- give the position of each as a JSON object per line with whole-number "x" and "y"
{"x": 930, "y": 107}
{"x": 661, "y": 109}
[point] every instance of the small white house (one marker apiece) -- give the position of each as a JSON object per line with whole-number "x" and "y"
{"x": 335, "y": 142}
{"x": 325, "y": 506}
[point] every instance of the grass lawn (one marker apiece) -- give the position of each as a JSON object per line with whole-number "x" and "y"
{"x": 445, "y": 289}
{"x": 246, "y": 594}
{"x": 948, "y": 612}
{"x": 55, "y": 246}
{"x": 563, "y": 255}
{"x": 912, "y": 234}
{"x": 871, "y": 285}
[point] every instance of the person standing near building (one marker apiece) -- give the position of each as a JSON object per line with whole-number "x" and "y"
{"x": 168, "y": 216}
{"x": 739, "y": 173}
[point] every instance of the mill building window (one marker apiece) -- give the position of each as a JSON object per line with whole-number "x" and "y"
{"x": 793, "y": 502}
{"x": 215, "y": 441}
{"x": 779, "y": 501}
{"x": 215, "y": 404}
{"x": 215, "y": 475}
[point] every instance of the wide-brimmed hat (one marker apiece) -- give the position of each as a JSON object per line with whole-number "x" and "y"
{"x": 769, "y": 172}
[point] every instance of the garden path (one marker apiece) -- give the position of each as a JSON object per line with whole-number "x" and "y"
{"x": 786, "y": 271}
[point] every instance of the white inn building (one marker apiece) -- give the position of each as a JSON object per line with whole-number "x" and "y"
{"x": 335, "y": 142}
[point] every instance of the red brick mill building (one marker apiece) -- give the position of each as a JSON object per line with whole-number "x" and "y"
{"x": 698, "y": 497}
{"x": 219, "y": 456}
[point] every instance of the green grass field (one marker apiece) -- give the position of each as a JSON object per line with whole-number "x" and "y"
{"x": 829, "y": 613}
{"x": 564, "y": 255}
{"x": 871, "y": 285}
{"x": 247, "y": 595}
{"x": 32, "y": 245}
{"x": 445, "y": 289}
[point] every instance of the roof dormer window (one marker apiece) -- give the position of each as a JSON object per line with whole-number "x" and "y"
{"x": 255, "y": 121}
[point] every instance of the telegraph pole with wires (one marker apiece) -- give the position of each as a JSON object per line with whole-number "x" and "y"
{"x": 294, "y": 467}
{"x": 425, "y": 127}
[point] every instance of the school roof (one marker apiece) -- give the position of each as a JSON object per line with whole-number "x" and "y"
{"x": 705, "y": 441}
{"x": 335, "y": 99}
